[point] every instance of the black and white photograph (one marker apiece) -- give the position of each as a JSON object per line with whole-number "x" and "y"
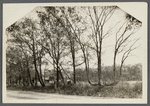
{"x": 75, "y": 53}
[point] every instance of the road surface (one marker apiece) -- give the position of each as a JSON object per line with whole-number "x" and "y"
{"x": 34, "y": 97}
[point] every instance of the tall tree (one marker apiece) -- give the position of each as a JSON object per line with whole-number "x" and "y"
{"x": 123, "y": 38}
{"x": 98, "y": 17}
{"x": 26, "y": 34}
{"x": 54, "y": 34}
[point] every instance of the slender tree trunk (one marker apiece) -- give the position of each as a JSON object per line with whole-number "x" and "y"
{"x": 114, "y": 67}
{"x": 29, "y": 75}
{"x": 24, "y": 82}
{"x": 99, "y": 63}
{"x": 41, "y": 72}
{"x": 10, "y": 74}
{"x": 35, "y": 79}
{"x": 73, "y": 58}
{"x": 22, "y": 70}
{"x": 28, "y": 80}
{"x": 62, "y": 77}
{"x": 86, "y": 67}
{"x": 35, "y": 65}
{"x": 72, "y": 44}
{"x": 38, "y": 76}
{"x": 10, "y": 81}
{"x": 57, "y": 65}
{"x": 19, "y": 79}
{"x": 57, "y": 68}
{"x": 16, "y": 81}
{"x": 121, "y": 68}
{"x": 28, "y": 71}
{"x": 44, "y": 76}
{"x": 57, "y": 75}
{"x": 99, "y": 71}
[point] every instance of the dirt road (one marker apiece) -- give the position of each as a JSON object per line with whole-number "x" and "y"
{"x": 34, "y": 97}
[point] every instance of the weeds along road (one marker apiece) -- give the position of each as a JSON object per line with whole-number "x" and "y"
{"x": 34, "y": 97}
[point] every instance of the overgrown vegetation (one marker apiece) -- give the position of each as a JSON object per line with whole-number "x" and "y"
{"x": 130, "y": 73}
{"x": 121, "y": 90}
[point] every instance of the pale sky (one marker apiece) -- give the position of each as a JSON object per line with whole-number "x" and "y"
{"x": 14, "y": 12}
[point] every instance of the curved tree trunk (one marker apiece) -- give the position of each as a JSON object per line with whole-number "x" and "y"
{"x": 28, "y": 70}
{"x": 35, "y": 64}
{"x": 87, "y": 69}
{"x": 37, "y": 73}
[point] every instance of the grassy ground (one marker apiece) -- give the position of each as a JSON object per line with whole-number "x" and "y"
{"x": 121, "y": 90}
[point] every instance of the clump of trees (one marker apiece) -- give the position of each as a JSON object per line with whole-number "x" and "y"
{"x": 63, "y": 35}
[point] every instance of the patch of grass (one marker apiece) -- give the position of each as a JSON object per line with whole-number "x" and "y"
{"x": 126, "y": 90}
